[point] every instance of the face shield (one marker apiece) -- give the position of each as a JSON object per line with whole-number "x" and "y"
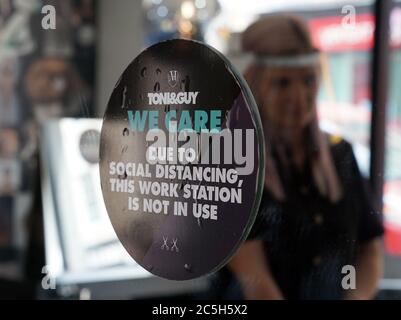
{"x": 286, "y": 87}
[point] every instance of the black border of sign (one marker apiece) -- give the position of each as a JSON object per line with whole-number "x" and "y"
{"x": 259, "y": 133}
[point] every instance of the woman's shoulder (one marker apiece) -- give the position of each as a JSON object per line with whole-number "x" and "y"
{"x": 338, "y": 145}
{"x": 343, "y": 156}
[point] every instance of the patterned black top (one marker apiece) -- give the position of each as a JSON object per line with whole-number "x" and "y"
{"x": 307, "y": 239}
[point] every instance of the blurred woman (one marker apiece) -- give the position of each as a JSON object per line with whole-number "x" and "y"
{"x": 316, "y": 222}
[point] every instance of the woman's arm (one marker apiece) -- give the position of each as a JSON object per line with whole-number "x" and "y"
{"x": 250, "y": 267}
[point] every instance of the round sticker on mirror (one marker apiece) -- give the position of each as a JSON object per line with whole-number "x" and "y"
{"x": 181, "y": 159}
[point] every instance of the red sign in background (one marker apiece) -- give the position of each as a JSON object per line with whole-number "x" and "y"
{"x": 337, "y": 33}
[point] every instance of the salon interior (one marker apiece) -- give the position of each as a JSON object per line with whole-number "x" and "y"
{"x": 59, "y": 63}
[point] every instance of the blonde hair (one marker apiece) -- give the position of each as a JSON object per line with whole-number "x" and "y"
{"x": 288, "y": 35}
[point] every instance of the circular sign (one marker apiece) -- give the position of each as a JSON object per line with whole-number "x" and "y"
{"x": 181, "y": 159}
